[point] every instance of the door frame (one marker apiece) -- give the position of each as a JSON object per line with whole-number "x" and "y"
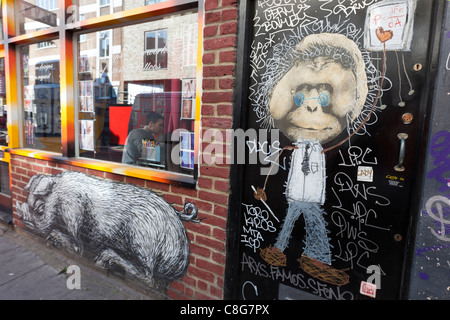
{"x": 5, "y": 200}
{"x": 232, "y": 263}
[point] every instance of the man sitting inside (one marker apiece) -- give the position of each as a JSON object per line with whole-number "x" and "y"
{"x": 133, "y": 145}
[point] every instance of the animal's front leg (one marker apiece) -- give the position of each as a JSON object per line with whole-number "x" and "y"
{"x": 62, "y": 241}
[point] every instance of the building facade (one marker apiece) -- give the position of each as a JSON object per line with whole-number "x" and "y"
{"x": 282, "y": 149}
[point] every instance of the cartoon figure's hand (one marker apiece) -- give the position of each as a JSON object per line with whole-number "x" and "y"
{"x": 260, "y": 194}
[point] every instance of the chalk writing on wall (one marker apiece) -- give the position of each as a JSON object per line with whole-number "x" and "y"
{"x": 318, "y": 75}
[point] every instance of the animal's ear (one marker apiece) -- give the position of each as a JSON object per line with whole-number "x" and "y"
{"x": 40, "y": 185}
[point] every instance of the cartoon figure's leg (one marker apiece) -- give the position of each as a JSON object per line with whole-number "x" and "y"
{"x": 274, "y": 255}
{"x": 316, "y": 258}
{"x": 317, "y": 244}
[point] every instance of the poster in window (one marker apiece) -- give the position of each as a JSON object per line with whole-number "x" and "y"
{"x": 187, "y": 150}
{"x": 87, "y": 135}
{"x": 188, "y": 99}
{"x": 86, "y": 96}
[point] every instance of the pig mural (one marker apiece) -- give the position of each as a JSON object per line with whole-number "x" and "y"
{"x": 117, "y": 224}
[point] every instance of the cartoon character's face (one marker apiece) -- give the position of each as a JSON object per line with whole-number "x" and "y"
{"x": 315, "y": 100}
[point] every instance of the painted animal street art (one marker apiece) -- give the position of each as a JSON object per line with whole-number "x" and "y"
{"x": 117, "y": 224}
{"x": 311, "y": 104}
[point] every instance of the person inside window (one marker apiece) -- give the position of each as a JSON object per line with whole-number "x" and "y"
{"x": 138, "y": 138}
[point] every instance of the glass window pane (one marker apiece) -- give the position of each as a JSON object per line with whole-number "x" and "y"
{"x": 34, "y": 15}
{"x": 41, "y": 96}
{"x": 133, "y": 96}
{"x": 95, "y": 8}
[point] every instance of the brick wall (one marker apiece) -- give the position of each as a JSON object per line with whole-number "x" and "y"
{"x": 205, "y": 276}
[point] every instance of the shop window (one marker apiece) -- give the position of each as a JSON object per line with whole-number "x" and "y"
{"x": 35, "y": 15}
{"x": 132, "y": 81}
{"x": 41, "y": 97}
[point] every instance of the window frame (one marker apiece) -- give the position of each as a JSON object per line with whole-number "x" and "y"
{"x": 155, "y": 51}
{"x": 68, "y": 33}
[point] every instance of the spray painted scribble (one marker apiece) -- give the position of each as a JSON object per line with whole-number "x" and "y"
{"x": 118, "y": 224}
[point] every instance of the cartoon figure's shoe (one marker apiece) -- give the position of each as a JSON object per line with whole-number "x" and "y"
{"x": 322, "y": 271}
{"x": 273, "y": 256}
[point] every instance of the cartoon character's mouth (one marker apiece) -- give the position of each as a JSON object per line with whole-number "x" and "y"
{"x": 314, "y": 129}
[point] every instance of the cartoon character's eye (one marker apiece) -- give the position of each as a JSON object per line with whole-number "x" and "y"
{"x": 324, "y": 100}
{"x": 299, "y": 98}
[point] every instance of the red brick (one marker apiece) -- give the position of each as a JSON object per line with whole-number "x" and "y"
{"x": 201, "y": 274}
{"x": 211, "y": 4}
{"x": 184, "y": 191}
{"x": 213, "y": 122}
{"x": 204, "y": 183}
{"x": 228, "y": 28}
{"x": 209, "y": 84}
{"x": 229, "y": 14}
{"x": 229, "y": 3}
{"x": 157, "y": 185}
{"x": 199, "y": 250}
{"x": 215, "y": 172}
{"x": 219, "y": 257}
{"x": 212, "y": 267}
{"x": 222, "y": 185}
{"x": 208, "y": 110}
{"x": 96, "y": 173}
{"x": 213, "y": 197}
{"x": 227, "y": 56}
{"x": 220, "y": 234}
{"x": 210, "y": 31}
{"x": 219, "y": 43}
{"x": 217, "y": 292}
{"x": 224, "y": 110}
{"x": 213, "y": 244}
{"x": 220, "y": 211}
{"x": 212, "y": 17}
{"x": 218, "y": 71}
{"x": 217, "y": 97}
{"x": 173, "y": 199}
{"x": 226, "y": 83}
{"x": 209, "y": 58}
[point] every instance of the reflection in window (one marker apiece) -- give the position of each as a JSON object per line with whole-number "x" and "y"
{"x": 41, "y": 97}
{"x": 96, "y": 8}
{"x": 156, "y": 52}
{"x": 47, "y": 4}
{"x": 104, "y": 44}
{"x": 130, "y": 85}
{"x": 36, "y": 14}
{"x": 149, "y": 2}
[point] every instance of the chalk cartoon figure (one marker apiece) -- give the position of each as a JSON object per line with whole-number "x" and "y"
{"x": 117, "y": 224}
{"x": 313, "y": 102}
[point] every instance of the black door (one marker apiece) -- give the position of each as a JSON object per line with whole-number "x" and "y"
{"x": 333, "y": 110}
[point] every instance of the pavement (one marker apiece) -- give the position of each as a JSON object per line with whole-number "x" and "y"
{"x": 29, "y": 270}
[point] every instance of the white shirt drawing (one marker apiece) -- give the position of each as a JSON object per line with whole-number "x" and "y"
{"x": 307, "y": 175}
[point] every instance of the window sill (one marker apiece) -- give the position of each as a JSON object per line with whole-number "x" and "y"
{"x": 110, "y": 167}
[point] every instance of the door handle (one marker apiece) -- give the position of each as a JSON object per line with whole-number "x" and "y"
{"x": 401, "y": 154}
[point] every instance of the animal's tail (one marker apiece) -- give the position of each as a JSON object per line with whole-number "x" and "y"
{"x": 189, "y": 213}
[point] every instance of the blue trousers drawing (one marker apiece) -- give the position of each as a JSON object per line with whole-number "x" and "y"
{"x": 317, "y": 244}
